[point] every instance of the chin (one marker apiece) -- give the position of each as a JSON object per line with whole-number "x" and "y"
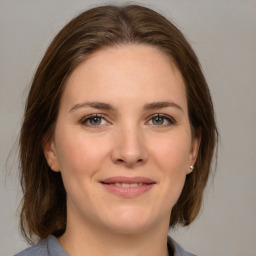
{"x": 131, "y": 222}
{"x": 129, "y": 228}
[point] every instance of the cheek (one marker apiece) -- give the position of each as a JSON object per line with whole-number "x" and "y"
{"x": 79, "y": 155}
{"x": 80, "y": 159}
{"x": 172, "y": 153}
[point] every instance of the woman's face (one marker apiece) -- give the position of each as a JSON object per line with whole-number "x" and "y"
{"x": 123, "y": 141}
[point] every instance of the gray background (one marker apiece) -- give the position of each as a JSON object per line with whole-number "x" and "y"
{"x": 223, "y": 33}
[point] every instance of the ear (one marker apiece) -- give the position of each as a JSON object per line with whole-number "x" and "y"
{"x": 195, "y": 144}
{"x": 50, "y": 155}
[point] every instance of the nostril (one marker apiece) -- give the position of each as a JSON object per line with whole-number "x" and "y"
{"x": 122, "y": 160}
{"x": 129, "y": 162}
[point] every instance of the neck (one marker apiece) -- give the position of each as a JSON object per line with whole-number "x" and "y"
{"x": 81, "y": 240}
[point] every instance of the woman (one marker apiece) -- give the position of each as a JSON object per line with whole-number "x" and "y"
{"x": 117, "y": 138}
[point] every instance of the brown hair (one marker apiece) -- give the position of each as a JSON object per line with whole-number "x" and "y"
{"x": 44, "y": 201}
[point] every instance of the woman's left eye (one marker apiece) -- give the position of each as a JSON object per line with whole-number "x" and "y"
{"x": 93, "y": 120}
{"x": 161, "y": 120}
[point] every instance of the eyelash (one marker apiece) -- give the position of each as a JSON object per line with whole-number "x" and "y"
{"x": 169, "y": 119}
{"x": 85, "y": 119}
{"x": 90, "y": 117}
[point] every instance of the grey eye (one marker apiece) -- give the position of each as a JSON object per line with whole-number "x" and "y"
{"x": 96, "y": 120}
{"x": 161, "y": 120}
{"x": 158, "y": 120}
{"x": 93, "y": 120}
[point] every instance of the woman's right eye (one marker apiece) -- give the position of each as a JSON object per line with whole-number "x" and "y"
{"x": 94, "y": 120}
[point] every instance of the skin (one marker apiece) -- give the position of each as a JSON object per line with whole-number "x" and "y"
{"x": 127, "y": 140}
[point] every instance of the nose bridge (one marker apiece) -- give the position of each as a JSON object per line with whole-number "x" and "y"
{"x": 130, "y": 145}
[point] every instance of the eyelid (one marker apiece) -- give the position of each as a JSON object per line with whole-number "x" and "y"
{"x": 84, "y": 119}
{"x": 170, "y": 119}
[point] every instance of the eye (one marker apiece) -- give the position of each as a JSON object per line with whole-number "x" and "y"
{"x": 93, "y": 120}
{"x": 161, "y": 120}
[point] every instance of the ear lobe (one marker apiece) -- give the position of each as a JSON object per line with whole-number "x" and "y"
{"x": 50, "y": 155}
{"x": 195, "y": 144}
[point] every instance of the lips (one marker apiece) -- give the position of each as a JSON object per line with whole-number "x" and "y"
{"x": 128, "y": 186}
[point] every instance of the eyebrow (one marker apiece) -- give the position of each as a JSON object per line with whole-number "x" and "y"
{"x": 97, "y": 105}
{"x": 106, "y": 106}
{"x": 161, "y": 104}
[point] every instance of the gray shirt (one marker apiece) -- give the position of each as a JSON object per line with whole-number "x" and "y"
{"x": 51, "y": 247}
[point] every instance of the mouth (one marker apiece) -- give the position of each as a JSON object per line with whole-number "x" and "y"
{"x": 128, "y": 186}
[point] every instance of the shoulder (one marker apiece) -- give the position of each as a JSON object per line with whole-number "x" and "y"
{"x": 40, "y": 249}
{"x": 178, "y": 250}
{"x": 48, "y": 247}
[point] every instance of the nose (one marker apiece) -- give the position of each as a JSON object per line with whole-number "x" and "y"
{"x": 130, "y": 148}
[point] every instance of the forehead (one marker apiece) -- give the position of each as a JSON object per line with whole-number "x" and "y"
{"x": 128, "y": 72}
